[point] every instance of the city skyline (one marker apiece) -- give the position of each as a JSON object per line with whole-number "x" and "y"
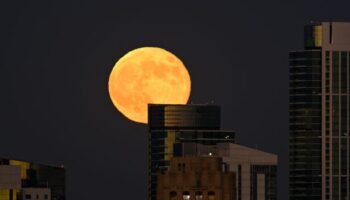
{"x": 57, "y": 57}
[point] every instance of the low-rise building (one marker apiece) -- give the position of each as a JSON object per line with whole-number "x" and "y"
{"x": 256, "y": 170}
{"x": 198, "y": 178}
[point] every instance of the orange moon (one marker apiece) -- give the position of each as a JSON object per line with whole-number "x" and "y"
{"x": 148, "y": 75}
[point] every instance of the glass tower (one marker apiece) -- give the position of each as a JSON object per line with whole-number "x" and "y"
{"x": 319, "y": 114}
{"x": 171, "y": 125}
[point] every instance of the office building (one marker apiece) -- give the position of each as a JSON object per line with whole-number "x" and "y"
{"x": 319, "y": 119}
{"x": 197, "y": 178}
{"x": 255, "y": 170}
{"x": 171, "y": 125}
{"x": 22, "y": 180}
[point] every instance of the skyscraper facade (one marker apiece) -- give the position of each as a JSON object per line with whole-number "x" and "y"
{"x": 319, "y": 148}
{"x": 171, "y": 125}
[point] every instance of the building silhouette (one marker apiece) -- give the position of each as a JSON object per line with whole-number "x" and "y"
{"x": 319, "y": 150}
{"x": 22, "y": 180}
{"x": 198, "y": 178}
{"x": 171, "y": 125}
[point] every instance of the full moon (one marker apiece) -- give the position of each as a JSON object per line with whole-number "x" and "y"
{"x": 148, "y": 75}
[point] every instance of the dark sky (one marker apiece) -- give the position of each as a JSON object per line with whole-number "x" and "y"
{"x": 56, "y": 57}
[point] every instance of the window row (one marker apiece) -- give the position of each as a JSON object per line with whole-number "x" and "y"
{"x": 187, "y": 196}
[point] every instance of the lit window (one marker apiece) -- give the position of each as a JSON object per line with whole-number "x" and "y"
{"x": 186, "y": 195}
{"x": 211, "y": 195}
{"x": 199, "y": 195}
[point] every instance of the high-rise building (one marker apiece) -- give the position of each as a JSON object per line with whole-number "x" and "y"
{"x": 255, "y": 170}
{"x": 197, "y": 178}
{"x": 27, "y": 181}
{"x": 171, "y": 125}
{"x": 319, "y": 151}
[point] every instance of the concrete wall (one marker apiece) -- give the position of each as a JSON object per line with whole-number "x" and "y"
{"x": 10, "y": 177}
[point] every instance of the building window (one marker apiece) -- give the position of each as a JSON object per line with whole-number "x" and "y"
{"x": 336, "y": 70}
{"x": 199, "y": 195}
{"x": 46, "y": 196}
{"x": 186, "y": 195}
{"x": 173, "y": 195}
{"x": 28, "y": 196}
{"x": 211, "y": 195}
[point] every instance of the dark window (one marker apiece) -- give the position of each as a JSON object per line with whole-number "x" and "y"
{"x": 11, "y": 194}
{"x": 335, "y": 115}
{"x": 336, "y": 72}
{"x": 344, "y": 73}
{"x": 173, "y": 194}
{"x": 28, "y": 196}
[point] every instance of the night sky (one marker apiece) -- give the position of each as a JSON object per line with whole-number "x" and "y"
{"x": 56, "y": 57}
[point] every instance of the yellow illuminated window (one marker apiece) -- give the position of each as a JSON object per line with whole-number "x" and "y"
{"x": 318, "y": 36}
{"x": 169, "y": 143}
{"x": 211, "y": 195}
{"x": 14, "y": 194}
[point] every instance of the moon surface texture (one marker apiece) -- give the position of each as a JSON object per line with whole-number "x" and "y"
{"x": 148, "y": 75}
